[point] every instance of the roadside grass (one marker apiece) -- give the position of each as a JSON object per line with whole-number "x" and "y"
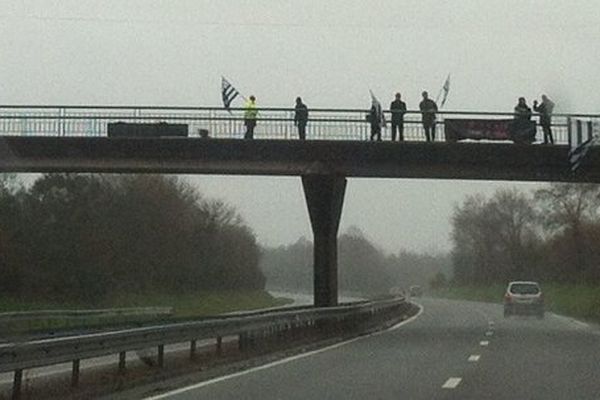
{"x": 577, "y": 301}
{"x": 185, "y": 307}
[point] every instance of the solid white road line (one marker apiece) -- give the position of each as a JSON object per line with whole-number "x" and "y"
{"x": 581, "y": 324}
{"x": 484, "y": 343}
{"x": 451, "y": 383}
{"x": 569, "y": 320}
{"x": 474, "y": 358}
{"x": 283, "y": 361}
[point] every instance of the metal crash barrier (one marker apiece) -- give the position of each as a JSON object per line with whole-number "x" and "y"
{"x": 250, "y": 328}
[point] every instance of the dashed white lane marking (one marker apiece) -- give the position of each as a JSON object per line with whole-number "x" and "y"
{"x": 474, "y": 358}
{"x": 484, "y": 343}
{"x": 452, "y": 383}
{"x": 489, "y": 333}
{"x": 283, "y": 361}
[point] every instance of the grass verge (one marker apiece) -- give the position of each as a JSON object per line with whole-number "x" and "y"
{"x": 578, "y": 301}
{"x": 185, "y": 306}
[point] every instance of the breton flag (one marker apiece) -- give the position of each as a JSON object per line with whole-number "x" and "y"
{"x": 228, "y": 92}
{"x": 578, "y": 149}
{"x": 379, "y": 115}
{"x": 445, "y": 90}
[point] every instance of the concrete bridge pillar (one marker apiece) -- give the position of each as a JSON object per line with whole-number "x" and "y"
{"x": 325, "y": 198}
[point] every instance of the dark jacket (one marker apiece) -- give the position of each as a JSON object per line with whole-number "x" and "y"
{"x": 301, "y": 117}
{"x": 429, "y": 108}
{"x": 374, "y": 117}
{"x": 545, "y": 110}
{"x": 398, "y": 108}
{"x": 522, "y": 112}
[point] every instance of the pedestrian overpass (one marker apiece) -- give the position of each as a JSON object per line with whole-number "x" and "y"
{"x": 74, "y": 139}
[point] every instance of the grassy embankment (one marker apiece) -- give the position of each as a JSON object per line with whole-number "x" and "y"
{"x": 575, "y": 301}
{"x": 184, "y": 307}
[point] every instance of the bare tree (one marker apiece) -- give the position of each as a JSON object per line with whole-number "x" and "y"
{"x": 492, "y": 238}
{"x": 566, "y": 208}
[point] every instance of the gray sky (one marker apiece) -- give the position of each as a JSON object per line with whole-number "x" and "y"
{"x": 173, "y": 52}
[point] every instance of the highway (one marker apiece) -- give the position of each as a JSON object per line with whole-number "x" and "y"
{"x": 451, "y": 350}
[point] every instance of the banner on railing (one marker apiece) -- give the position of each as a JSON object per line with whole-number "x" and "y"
{"x": 490, "y": 129}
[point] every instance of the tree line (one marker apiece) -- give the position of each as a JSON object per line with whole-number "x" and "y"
{"x": 550, "y": 234}
{"x": 70, "y": 237}
{"x": 363, "y": 268}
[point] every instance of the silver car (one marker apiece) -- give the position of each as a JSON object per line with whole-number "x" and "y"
{"x": 525, "y": 298}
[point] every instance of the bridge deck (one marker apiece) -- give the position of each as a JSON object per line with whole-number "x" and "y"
{"x": 483, "y": 161}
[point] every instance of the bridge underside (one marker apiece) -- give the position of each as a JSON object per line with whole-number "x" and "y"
{"x": 323, "y": 166}
{"x": 295, "y": 158}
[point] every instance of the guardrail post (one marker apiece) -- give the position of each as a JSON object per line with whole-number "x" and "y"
{"x": 242, "y": 341}
{"x": 161, "y": 355}
{"x": 17, "y": 381}
{"x": 219, "y": 345}
{"x": 122, "y": 361}
{"x": 325, "y": 198}
{"x": 75, "y": 374}
{"x": 192, "y": 349}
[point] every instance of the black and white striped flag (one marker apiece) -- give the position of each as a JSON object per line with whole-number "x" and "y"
{"x": 228, "y": 92}
{"x": 579, "y": 149}
{"x": 577, "y": 154}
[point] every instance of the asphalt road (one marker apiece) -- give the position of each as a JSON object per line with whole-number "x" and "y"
{"x": 452, "y": 350}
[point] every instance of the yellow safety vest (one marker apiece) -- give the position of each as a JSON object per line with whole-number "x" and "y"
{"x": 251, "y": 111}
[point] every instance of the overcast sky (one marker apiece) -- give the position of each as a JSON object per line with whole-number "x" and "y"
{"x": 173, "y": 52}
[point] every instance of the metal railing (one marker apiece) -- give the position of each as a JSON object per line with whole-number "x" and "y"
{"x": 77, "y": 314}
{"x": 272, "y": 123}
{"x": 249, "y": 328}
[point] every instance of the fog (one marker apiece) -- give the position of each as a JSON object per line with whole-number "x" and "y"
{"x": 174, "y": 52}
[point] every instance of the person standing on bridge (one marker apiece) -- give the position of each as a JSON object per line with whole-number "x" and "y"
{"x": 522, "y": 111}
{"x": 250, "y": 113}
{"x": 522, "y": 128}
{"x": 428, "y": 110}
{"x": 545, "y": 110}
{"x": 301, "y": 118}
{"x": 398, "y": 108}
{"x": 376, "y": 118}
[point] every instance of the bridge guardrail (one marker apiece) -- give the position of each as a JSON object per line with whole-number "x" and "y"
{"x": 39, "y": 353}
{"x": 273, "y": 123}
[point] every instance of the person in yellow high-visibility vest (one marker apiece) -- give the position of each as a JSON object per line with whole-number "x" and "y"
{"x": 250, "y": 113}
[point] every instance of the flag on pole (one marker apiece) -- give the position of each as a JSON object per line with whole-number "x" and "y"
{"x": 578, "y": 153}
{"x": 228, "y": 92}
{"x": 379, "y": 115}
{"x": 445, "y": 90}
